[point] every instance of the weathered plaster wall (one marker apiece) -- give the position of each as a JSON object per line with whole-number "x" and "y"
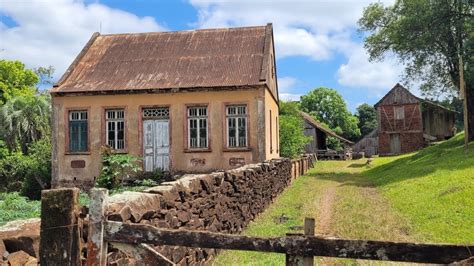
{"x": 219, "y": 202}
{"x": 272, "y": 148}
{"x": 181, "y": 160}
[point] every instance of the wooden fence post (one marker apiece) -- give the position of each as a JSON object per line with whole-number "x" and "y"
{"x": 292, "y": 260}
{"x": 309, "y": 225}
{"x": 96, "y": 246}
{"x": 59, "y": 237}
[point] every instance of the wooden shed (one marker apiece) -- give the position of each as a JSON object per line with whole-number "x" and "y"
{"x": 319, "y": 134}
{"x": 407, "y": 123}
{"x": 369, "y": 144}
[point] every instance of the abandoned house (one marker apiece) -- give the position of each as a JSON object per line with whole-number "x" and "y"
{"x": 407, "y": 123}
{"x": 186, "y": 101}
{"x": 319, "y": 134}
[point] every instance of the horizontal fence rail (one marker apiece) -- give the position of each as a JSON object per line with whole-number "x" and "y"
{"x": 294, "y": 244}
{"x": 61, "y": 234}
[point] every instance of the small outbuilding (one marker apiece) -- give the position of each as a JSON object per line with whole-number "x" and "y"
{"x": 319, "y": 133}
{"x": 407, "y": 123}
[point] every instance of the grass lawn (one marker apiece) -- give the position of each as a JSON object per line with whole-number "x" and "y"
{"x": 427, "y": 196}
{"x": 16, "y": 207}
{"x": 332, "y": 185}
{"x": 433, "y": 189}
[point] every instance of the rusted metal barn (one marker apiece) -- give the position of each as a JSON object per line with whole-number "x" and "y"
{"x": 319, "y": 134}
{"x": 407, "y": 123}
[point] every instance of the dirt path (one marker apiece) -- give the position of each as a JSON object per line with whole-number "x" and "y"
{"x": 325, "y": 213}
{"x": 351, "y": 207}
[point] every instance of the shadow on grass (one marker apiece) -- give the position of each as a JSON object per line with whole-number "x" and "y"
{"x": 447, "y": 155}
{"x": 345, "y": 179}
{"x": 357, "y": 165}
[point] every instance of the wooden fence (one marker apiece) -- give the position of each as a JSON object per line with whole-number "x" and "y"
{"x": 60, "y": 234}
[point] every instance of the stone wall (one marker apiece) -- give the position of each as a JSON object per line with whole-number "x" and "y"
{"x": 219, "y": 202}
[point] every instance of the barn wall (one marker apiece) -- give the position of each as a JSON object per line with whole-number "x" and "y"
{"x": 310, "y": 131}
{"x": 368, "y": 144}
{"x": 438, "y": 122}
{"x": 409, "y": 129}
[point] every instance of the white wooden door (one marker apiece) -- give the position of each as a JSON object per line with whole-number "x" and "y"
{"x": 156, "y": 146}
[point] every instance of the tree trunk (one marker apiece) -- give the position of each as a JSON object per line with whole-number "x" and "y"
{"x": 470, "y": 110}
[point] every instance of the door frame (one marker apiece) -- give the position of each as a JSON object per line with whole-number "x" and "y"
{"x": 140, "y": 132}
{"x": 399, "y": 143}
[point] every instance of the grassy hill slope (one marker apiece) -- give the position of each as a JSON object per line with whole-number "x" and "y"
{"x": 432, "y": 188}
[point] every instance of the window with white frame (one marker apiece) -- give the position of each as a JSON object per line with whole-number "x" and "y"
{"x": 115, "y": 128}
{"x": 78, "y": 131}
{"x": 236, "y": 126}
{"x": 197, "y": 127}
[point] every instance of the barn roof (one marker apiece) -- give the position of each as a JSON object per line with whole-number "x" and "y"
{"x": 309, "y": 119}
{"x": 400, "y": 95}
{"x": 157, "y": 60}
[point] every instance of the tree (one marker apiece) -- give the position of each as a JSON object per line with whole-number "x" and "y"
{"x": 429, "y": 38}
{"x": 292, "y": 138}
{"x": 24, "y": 120}
{"x": 328, "y": 106}
{"x": 367, "y": 118}
{"x": 15, "y": 80}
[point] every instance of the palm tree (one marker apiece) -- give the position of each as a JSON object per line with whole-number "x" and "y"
{"x": 25, "y": 119}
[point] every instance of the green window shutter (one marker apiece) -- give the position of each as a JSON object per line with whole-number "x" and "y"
{"x": 78, "y": 136}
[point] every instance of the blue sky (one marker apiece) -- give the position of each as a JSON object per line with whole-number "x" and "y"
{"x": 317, "y": 42}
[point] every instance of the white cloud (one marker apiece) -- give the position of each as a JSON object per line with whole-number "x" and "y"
{"x": 307, "y": 28}
{"x": 52, "y": 32}
{"x": 290, "y": 97}
{"x": 379, "y": 77}
{"x": 285, "y": 84}
{"x": 285, "y": 87}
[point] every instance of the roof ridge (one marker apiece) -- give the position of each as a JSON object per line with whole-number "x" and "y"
{"x": 184, "y": 31}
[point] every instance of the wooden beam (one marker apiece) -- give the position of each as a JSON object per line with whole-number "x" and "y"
{"x": 144, "y": 254}
{"x": 296, "y": 245}
{"x": 96, "y": 246}
{"x": 291, "y": 260}
{"x": 59, "y": 237}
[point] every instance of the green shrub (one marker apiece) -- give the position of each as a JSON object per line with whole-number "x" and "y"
{"x": 13, "y": 170}
{"x": 40, "y": 174}
{"x": 116, "y": 168}
{"x": 24, "y": 173}
{"x": 292, "y": 138}
{"x": 13, "y": 207}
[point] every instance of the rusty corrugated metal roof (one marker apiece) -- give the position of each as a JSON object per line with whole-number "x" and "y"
{"x": 182, "y": 59}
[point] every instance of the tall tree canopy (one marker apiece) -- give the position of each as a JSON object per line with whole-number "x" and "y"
{"x": 15, "y": 80}
{"x": 367, "y": 118}
{"x": 429, "y": 38}
{"x": 327, "y": 106}
{"x": 24, "y": 120}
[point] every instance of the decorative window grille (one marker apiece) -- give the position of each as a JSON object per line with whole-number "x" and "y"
{"x": 157, "y": 113}
{"x": 78, "y": 131}
{"x": 399, "y": 112}
{"x": 236, "y": 126}
{"x": 115, "y": 121}
{"x": 197, "y": 127}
